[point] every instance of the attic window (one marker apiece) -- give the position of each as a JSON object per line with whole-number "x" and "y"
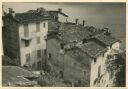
{"x": 94, "y": 59}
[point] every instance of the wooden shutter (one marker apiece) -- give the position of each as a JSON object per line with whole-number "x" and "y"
{"x": 37, "y": 26}
{"x": 99, "y": 71}
{"x": 38, "y": 40}
{"x": 26, "y": 30}
{"x": 38, "y": 53}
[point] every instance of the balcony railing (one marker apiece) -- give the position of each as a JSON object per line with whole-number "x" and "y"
{"x": 29, "y": 37}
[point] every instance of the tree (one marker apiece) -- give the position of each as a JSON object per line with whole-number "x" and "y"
{"x": 116, "y": 68}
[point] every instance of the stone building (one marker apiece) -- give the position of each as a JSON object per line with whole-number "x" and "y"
{"x": 74, "y": 41}
{"x": 70, "y": 61}
{"x": 77, "y": 52}
{"x": 24, "y": 37}
{"x": 25, "y": 34}
{"x": 99, "y": 75}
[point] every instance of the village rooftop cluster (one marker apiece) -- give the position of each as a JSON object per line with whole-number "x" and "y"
{"x": 43, "y": 48}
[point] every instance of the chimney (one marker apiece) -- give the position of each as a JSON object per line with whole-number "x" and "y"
{"x": 77, "y": 21}
{"x": 60, "y": 9}
{"x": 11, "y": 12}
{"x": 83, "y": 22}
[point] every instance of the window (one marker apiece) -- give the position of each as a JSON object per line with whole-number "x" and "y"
{"x": 26, "y": 30}
{"x": 37, "y": 26}
{"x": 84, "y": 72}
{"x": 38, "y": 53}
{"x": 99, "y": 71}
{"x": 38, "y": 40}
{"x": 39, "y": 65}
{"x": 26, "y": 43}
{"x": 27, "y": 57}
{"x": 45, "y": 52}
{"x": 103, "y": 54}
{"x": 62, "y": 46}
{"x": 50, "y": 55}
{"x": 94, "y": 59}
{"x": 44, "y": 25}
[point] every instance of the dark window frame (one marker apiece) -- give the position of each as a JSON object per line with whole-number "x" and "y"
{"x": 44, "y": 25}
{"x": 38, "y": 40}
{"x": 37, "y": 26}
{"x": 26, "y": 30}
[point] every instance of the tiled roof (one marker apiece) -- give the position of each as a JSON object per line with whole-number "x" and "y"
{"x": 27, "y": 17}
{"x": 93, "y": 30}
{"x": 15, "y": 75}
{"x": 106, "y": 39}
{"x": 79, "y": 56}
{"x": 92, "y": 49}
{"x": 71, "y": 32}
{"x": 36, "y": 15}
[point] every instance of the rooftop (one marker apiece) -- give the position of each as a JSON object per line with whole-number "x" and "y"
{"x": 39, "y": 14}
{"x": 15, "y": 75}
{"x": 70, "y": 32}
{"x": 92, "y": 49}
{"x": 106, "y": 39}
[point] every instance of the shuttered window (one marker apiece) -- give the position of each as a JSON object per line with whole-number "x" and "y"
{"x": 38, "y": 40}
{"x": 38, "y": 53}
{"x": 99, "y": 71}
{"x": 26, "y": 30}
{"x": 37, "y": 26}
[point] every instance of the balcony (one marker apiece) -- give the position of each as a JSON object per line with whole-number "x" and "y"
{"x": 28, "y": 37}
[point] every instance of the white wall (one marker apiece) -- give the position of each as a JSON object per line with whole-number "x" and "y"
{"x": 101, "y": 62}
{"x": 94, "y": 68}
{"x": 116, "y": 46}
{"x": 33, "y": 46}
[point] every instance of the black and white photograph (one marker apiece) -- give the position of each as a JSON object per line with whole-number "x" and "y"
{"x": 63, "y": 44}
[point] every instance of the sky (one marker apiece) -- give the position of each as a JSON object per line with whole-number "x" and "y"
{"x": 100, "y": 15}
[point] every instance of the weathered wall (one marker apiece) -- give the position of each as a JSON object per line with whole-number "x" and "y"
{"x": 105, "y": 78}
{"x": 77, "y": 67}
{"x": 100, "y": 61}
{"x": 53, "y": 48}
{"x": 10, "y": 38}
{"x": 33, "y": 46}
{"x": 72, "y": 67}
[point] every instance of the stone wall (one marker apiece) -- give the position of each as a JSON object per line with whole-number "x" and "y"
{"x": 10, "y": 38}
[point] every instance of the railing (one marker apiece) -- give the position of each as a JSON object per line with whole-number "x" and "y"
{"x": 29, "y": 37}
